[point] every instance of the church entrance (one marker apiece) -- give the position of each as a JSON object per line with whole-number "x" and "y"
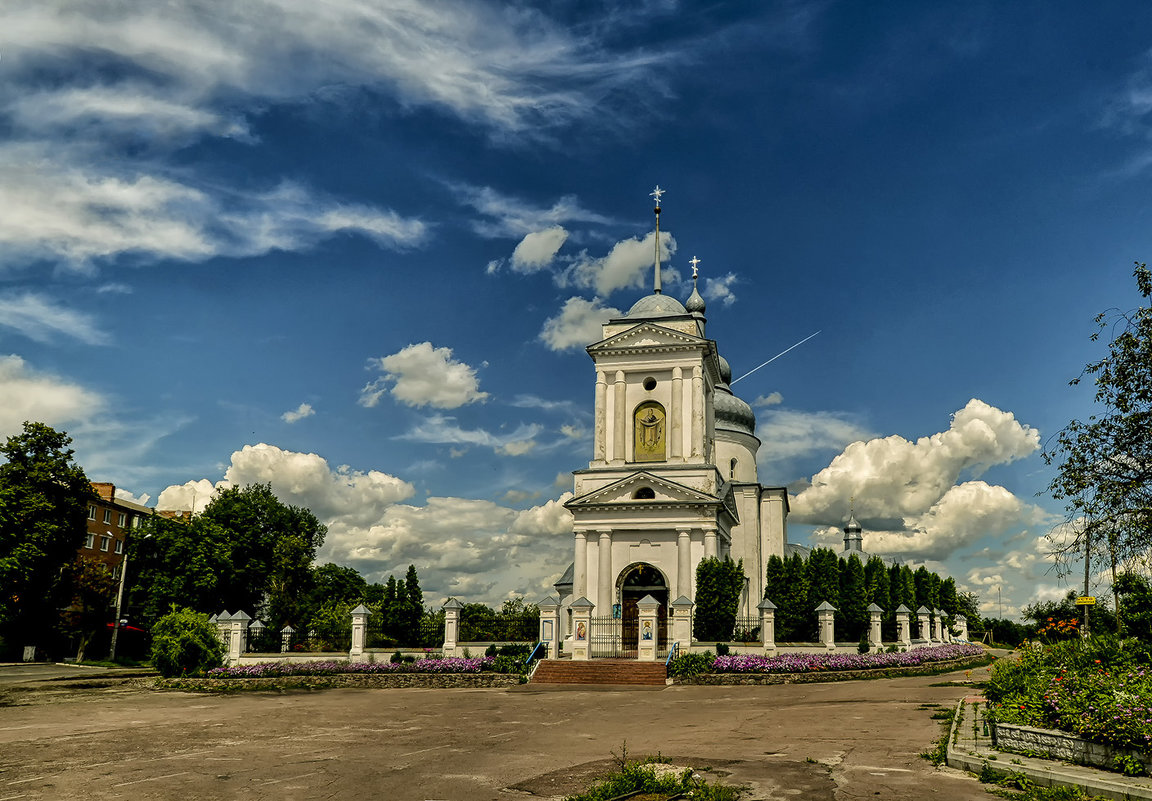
{"x": 636, "y": 581}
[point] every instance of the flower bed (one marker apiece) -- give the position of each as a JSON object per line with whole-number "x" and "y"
{"x": 806, "y": 663}
{"x": 338, "y": 667}
{"x": 1100, "y": 690}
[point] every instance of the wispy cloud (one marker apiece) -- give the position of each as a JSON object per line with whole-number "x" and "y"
{"x": 42, "y": 319}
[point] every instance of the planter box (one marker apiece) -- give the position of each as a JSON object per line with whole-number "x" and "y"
{"x": 1061, "y": 745}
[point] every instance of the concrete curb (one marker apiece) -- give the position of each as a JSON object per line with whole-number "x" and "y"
{"x": 972, "y": 752}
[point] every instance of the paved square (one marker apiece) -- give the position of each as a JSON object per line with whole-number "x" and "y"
{"x": 471, "y": 745}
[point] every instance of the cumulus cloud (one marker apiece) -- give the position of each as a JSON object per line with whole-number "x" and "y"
{"x": 298, "y": 414}
{"x": 787, "y": 433}
{"x": 537, "y": 249}
{"x": 578, "y": 324}
{"x": 423, "y": 375}
{"x": 771, "y": 399}
{"x": 443, "y": 430}
{"x": 893, "y": 477}
{"x": 42, "y": 319}
{"x": 27, "y": 394}
{"x": 720, "y": 289}
{"x": 473, "y": 549}
{"x": 627, "y": 266}
{"x": 125, "y": 495}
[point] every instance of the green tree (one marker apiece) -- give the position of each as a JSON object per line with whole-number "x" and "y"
{"x": 823, "y": 578}
{"x": 1104, "y": 473}
{"x": 793, "y": 615}
{"x": 718, "y": 587}
{"x": 923, "y": 590}
{"x": 949, "y": 601}
{"x": 93, "y": 589}
{"x": 178, "y": 563}
{"x": 412, "y": 610}
{"x": 44, "y": 498}
{"x": 853, "y": 612}
{"x": 1134, "y": 602}
{"x": 272, "y": 548}
{"x": 876, "y": 585}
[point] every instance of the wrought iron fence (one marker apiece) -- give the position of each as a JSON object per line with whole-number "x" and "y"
{"x": 746, "y": 629}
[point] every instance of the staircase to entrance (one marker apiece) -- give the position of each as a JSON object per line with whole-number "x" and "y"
{"x": 600, "y": 671}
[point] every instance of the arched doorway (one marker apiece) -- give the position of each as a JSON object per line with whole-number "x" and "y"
{"x": 636, "y": 581}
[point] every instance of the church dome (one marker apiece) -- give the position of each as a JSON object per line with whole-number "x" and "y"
{"x": 731, "y": 412}
{"x": 657, "y": 306}
{"x": 695, "y": 303}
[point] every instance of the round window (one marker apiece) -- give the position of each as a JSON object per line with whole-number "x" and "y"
{"x": 649, "y": 384}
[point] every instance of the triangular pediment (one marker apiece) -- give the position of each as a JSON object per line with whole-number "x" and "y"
{"x": 647, "y": 335}
{"x": 625, "y": 490}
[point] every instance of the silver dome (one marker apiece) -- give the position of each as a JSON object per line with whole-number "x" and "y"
{"x": 695, "y": 303}
{"x": 657, "y": 306}
{"x": 732, "y": 414}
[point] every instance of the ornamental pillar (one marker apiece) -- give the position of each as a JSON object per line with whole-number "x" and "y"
{"x": 676, "y": 417}
{"x": 681, "y": 615}
{"x": 605, "y": 584}
{"x": 620, "y": 418}
{"x": 550, "y": 625}
{"x": 451, "y": 626}
{"x": 710, "y": 547}
{"x": 903, "y": 626}
{"x": 601, "y": 431}
{"x": 874, "y": 636}
{"x": 826, "y": 615}
{"x": 683, "y": 562}
{"x": 647, "y": 637}
{"x": 962, "y": 628}
{"x": 767, "y": 626}
{"x": 697, "y": 412}
{"x": 580, "y": 566}
{"x": 582, "y": 629}
{"x": 923, "y": 627}
{"x": 359, "y": 628}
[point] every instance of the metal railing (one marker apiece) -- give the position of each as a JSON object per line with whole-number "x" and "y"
{"x": 673, "y": 652}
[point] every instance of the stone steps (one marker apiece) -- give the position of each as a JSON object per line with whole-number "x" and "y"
{"x": 600, "y": 671}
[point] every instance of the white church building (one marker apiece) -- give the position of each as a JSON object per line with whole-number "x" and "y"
{"x": 672, "y": 479}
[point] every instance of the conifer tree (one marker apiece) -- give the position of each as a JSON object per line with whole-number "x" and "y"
{"x": 413, "y": 606}
{"x": 792, "y": 602}
{"x": 718, "y": 587}
{"x": 853, "y": 610}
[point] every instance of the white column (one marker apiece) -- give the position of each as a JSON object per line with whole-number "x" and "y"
{"x": 767, "y": 626}
{"x": 648, "y": 608}
{"x": 874, "y": 637}
{"x": 710, "y": 548}
{"x": 600, "y": 444}
{"x": 676, "y": 416}
{"x": 604, "y": 592}
{"x": 580, "y": 566}
{"x": 621, "y": 417}
{"x": 581, "y": 628}
{"x": 684, "y": 563}
{"x": 451, "y": 626}
{"x": 550, "y": 625}
{"x": 903, "y": 626}
{"x": 359, "y": 628}
{"x": 697, "y": 412}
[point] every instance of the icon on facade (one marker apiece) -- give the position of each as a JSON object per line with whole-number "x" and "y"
{"x": 646, "y": 630}
{"x": 581, "y": 631}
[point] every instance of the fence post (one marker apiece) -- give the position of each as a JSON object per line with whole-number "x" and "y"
{"x": 550, "y": 625}
{"x": 767, "y": 626}
{"x": 682, "y": 622}
{"x": 904, "y": 626}
{"x": 582, "y": 628}
{"x": 938, "y": 625}
{"x": 359, "y": 628}
{"x": 962, "y": 628}
{"x": 922, "y": 627}
{"x": 223, "y": 623}
{"x": 286, "y": 638}
{"x": 239, "y": 640}
{"x": 826, "y": 615}
{"x": 874, "y": 636}
{"x": 647, "y": 637}
{"x": 451, "y": 625}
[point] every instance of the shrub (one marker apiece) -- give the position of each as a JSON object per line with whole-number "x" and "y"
{"x": 722, "y": 649}
{"x": 184, "y": 643}
{"x": 691, "y": 664}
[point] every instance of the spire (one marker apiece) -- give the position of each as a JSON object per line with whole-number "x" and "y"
{"x": 853, "y": 539}
{"x": 656, "y": 193}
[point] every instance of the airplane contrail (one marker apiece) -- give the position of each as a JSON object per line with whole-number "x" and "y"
{"x": 777, "y": 356}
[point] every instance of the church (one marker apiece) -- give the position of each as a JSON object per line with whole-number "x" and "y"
{"x": 672, "y": 478}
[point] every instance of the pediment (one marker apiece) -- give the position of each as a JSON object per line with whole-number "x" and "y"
{"x": 647, "y": 335}
{"x": 624, "y": 492}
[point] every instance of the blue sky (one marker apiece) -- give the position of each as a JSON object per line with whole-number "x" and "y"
{"x": 356, "y": 249}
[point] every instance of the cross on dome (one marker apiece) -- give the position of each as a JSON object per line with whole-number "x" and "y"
{"x": 695, "y": 273}
{"x": 656, "y": 193}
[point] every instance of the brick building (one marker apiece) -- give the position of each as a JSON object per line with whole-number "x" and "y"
{"x": 109, "y": 521}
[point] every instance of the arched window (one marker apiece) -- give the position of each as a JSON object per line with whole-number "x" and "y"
{"x": 732, "y": 469}
{"x": 648, "y": 437}
{"x": 644, "y": 494}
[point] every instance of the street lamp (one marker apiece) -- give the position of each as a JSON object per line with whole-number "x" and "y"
{"x": 117, "y": 622}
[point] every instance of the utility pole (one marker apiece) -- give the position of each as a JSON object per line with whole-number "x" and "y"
{"x": 1087, "y": 565}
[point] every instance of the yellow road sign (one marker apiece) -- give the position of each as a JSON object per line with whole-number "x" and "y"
{"x": 1086, "y": 600}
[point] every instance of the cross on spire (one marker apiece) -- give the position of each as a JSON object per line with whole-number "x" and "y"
{"x": 695, "y": 273}
{"x": 656, "y": 193}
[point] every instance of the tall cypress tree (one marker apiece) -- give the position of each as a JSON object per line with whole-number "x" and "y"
{"x": 388, "y": 608}
{"x": 853, "y": 600}
{"x": 413, "y": 606}
{"x": 792, "y": 603}
{"x": 876, "y": 581}
{"x": 923, "y": 588}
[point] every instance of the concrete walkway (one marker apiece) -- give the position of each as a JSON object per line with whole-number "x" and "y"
{"x": 848, "y": 740}
{"x": 970, "y": 748}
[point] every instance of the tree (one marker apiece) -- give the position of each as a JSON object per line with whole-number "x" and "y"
{"x": 44, "y": 498}
{"x": 1135, "y": 607}
{"x": 178, "y": 563}
{"x": 413, "y": 608}
{"x": 718, "y": 587}
{"x": 876, "y": 583}
{"x": 823, "y": 579}
{"x": 93, "y": 589}
{"x": 184, "y": 643}
{"x": 853, "y": 599}
{"x": 272, "y": 548}
{"x": 793, "y": 613}
{"x": 1104, "y": 473}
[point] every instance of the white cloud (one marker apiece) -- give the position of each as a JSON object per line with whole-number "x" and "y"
{"x": 125, "y": 495}
{"x": 787, "y": 433}
{"x": 537, "y": 249}
{"x": 26, "y": 394}
{"x": 511, "y": 217}
{"x": 298, "y": 414}
{"x": 627, "y": 266}
{"x": 771, "y": 399}
{"x": 442, "y": 430}
{"x": 191, "y": 496}
{"x": 60, "y": 210}
{"x": 422, "y": 375}
{"x": 720, "y": 289}
{"x": 42, "y": 319}
{"x": 578, "y": 324}
{"x": 894, "y": 478}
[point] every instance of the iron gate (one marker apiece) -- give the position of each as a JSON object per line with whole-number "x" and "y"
{"x": 610, "y": 638}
